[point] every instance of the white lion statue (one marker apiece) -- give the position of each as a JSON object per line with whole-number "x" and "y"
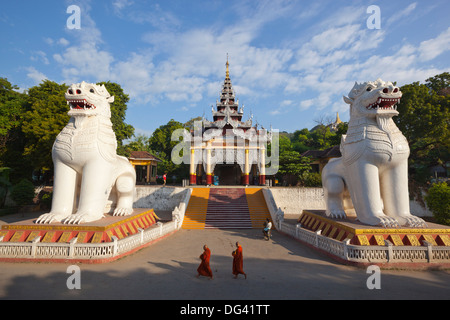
{"x": 89, "y": 176}
{"x": 371, "y": 177}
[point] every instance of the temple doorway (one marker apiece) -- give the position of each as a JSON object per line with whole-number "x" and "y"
{"x": 229, "y": 174}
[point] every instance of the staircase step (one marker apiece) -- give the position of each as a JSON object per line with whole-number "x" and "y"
{"x": 233, "y": 208}
{"x": 195, "y": 215}
{"x": 227, "y": 208}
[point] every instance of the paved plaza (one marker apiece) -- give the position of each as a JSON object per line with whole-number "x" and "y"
{"x": 279, "y": 269}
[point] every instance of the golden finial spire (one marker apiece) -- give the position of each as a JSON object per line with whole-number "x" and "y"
{"x": 338, "y": 120}
{"x": 227, "y": 75}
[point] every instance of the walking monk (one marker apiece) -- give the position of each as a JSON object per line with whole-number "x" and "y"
{"x": 238, "y": 261}
{"x": 204, "y": 269}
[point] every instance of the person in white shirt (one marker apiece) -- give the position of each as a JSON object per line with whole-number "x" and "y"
{"x": 267, "y": 227}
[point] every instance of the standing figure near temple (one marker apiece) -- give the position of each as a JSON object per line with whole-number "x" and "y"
{"x": 204, "y": 268}
{"x": 238, "y": 261}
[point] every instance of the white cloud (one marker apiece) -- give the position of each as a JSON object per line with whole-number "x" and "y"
{"x": 35, "y": 75}
{"x": 135, "y": 74}
{"x": 63, "y": 42}
{"x": 121, "y": 4}
{"x": 396, "y": 16}
{"x": 86, "y": 61}
{"x": 188, "y": 64}
{"x": 146, "y": 13}
{"x": 83, "y": 59}
{"x": 343, "y": 16}
{"x": 335, "y": 45}
{"x": 282, "y": 108}
{"x": 432, "y": 48}
{"x": 342, "y": 51}
{"x": 196, "y": 56}
{"x": 306, "y": 104}
{"x": 48, "y": 41}
{"x": 40, "y": 56}
{"x": 334, "y": 38}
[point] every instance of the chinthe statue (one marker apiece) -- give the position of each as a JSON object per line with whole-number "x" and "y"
{"x": 371, "y": 177}
{"x": 89, "y": 177}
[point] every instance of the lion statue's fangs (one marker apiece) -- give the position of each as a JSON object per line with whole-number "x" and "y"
{"x": 89, "y": 177}
{"x": 371, "y": 177}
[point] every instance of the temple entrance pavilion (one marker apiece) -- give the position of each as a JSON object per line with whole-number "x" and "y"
{"x": 227, "y": 147}
{"x": 228, "y": 174}
{"x": 145, "y": 165}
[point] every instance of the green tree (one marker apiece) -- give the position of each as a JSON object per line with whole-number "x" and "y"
{"x": 439, "y": 82}
{"x": 139, "y": 142}
{"x": 23, "y": 192}
{"x": 341, "y": 130}
{"x": 438, "y": 200}
{"x": 321, "y": 137}
{"x": 293, "y": 166}
{"x": 45, "y": 118}
{"x": 301, "y": 140}
{"x": 5, "y": 185}
{"x": 190, "y": 123}
{"x": 161, "y": 143}
{"x": 424, "y": 119}
{"x": 122, "y": 130}
{"x": 161, "y": 139}
{"x": 11, "y": 110}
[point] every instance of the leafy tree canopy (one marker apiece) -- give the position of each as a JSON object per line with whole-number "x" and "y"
{"x": 11, "y": 110}
{"x": 45, "y": 118}
{"x": 122, "y": 130}
{"x": 41, "y": 114}
{"x": 424, "y": 119}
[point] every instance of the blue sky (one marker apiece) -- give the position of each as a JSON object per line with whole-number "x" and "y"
{"x": 290, "y": 61}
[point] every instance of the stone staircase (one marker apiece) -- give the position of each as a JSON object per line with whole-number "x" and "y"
{"x": 195, "y": 215}
{"x": 226, "y": 208}
{"x": 257, "y": 207}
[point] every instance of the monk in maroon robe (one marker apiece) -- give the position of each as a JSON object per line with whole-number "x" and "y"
{"x": 204, "y": 268}
{"x": 238, "y": 261}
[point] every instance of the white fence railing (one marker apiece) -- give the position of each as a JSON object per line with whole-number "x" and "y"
{"x": 355, "y": 253}
{"x": 367, "y": 254}
{"x": 341, "y": 249}
{"x": 93, "y": 251}
{"x": 84, "y": 251}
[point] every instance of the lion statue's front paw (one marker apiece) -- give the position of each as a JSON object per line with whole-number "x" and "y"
{"x": 122, "y": 211}
{"x": 50, "y": 217}
{"x": 81, "y": 217}
{"x": 380, "y": 220}
{"x": 389, "y": 222}
{"x": 413, "y": 221}
{"x": 337, "y": 214}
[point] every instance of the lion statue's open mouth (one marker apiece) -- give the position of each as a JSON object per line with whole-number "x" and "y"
{"x": 80, "y": 104}
{"x": 384, "y": 104}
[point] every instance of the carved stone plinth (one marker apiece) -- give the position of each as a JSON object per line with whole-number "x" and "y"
{"x": 367, "y": 235}
{"x": 94, "y": 232}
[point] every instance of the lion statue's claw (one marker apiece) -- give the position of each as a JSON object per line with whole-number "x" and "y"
{"x": 48, "y": 218}
{"x": 122, "y": 212}
{"x": 388, "y": 222}
{"x": 337, "y": 214}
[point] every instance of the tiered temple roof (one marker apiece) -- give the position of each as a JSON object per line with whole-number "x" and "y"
{"x": 227, "y": 115}
{"x": 228, "y": 141}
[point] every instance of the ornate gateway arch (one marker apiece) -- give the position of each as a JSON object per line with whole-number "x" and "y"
{"x": 227, "y": 147}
